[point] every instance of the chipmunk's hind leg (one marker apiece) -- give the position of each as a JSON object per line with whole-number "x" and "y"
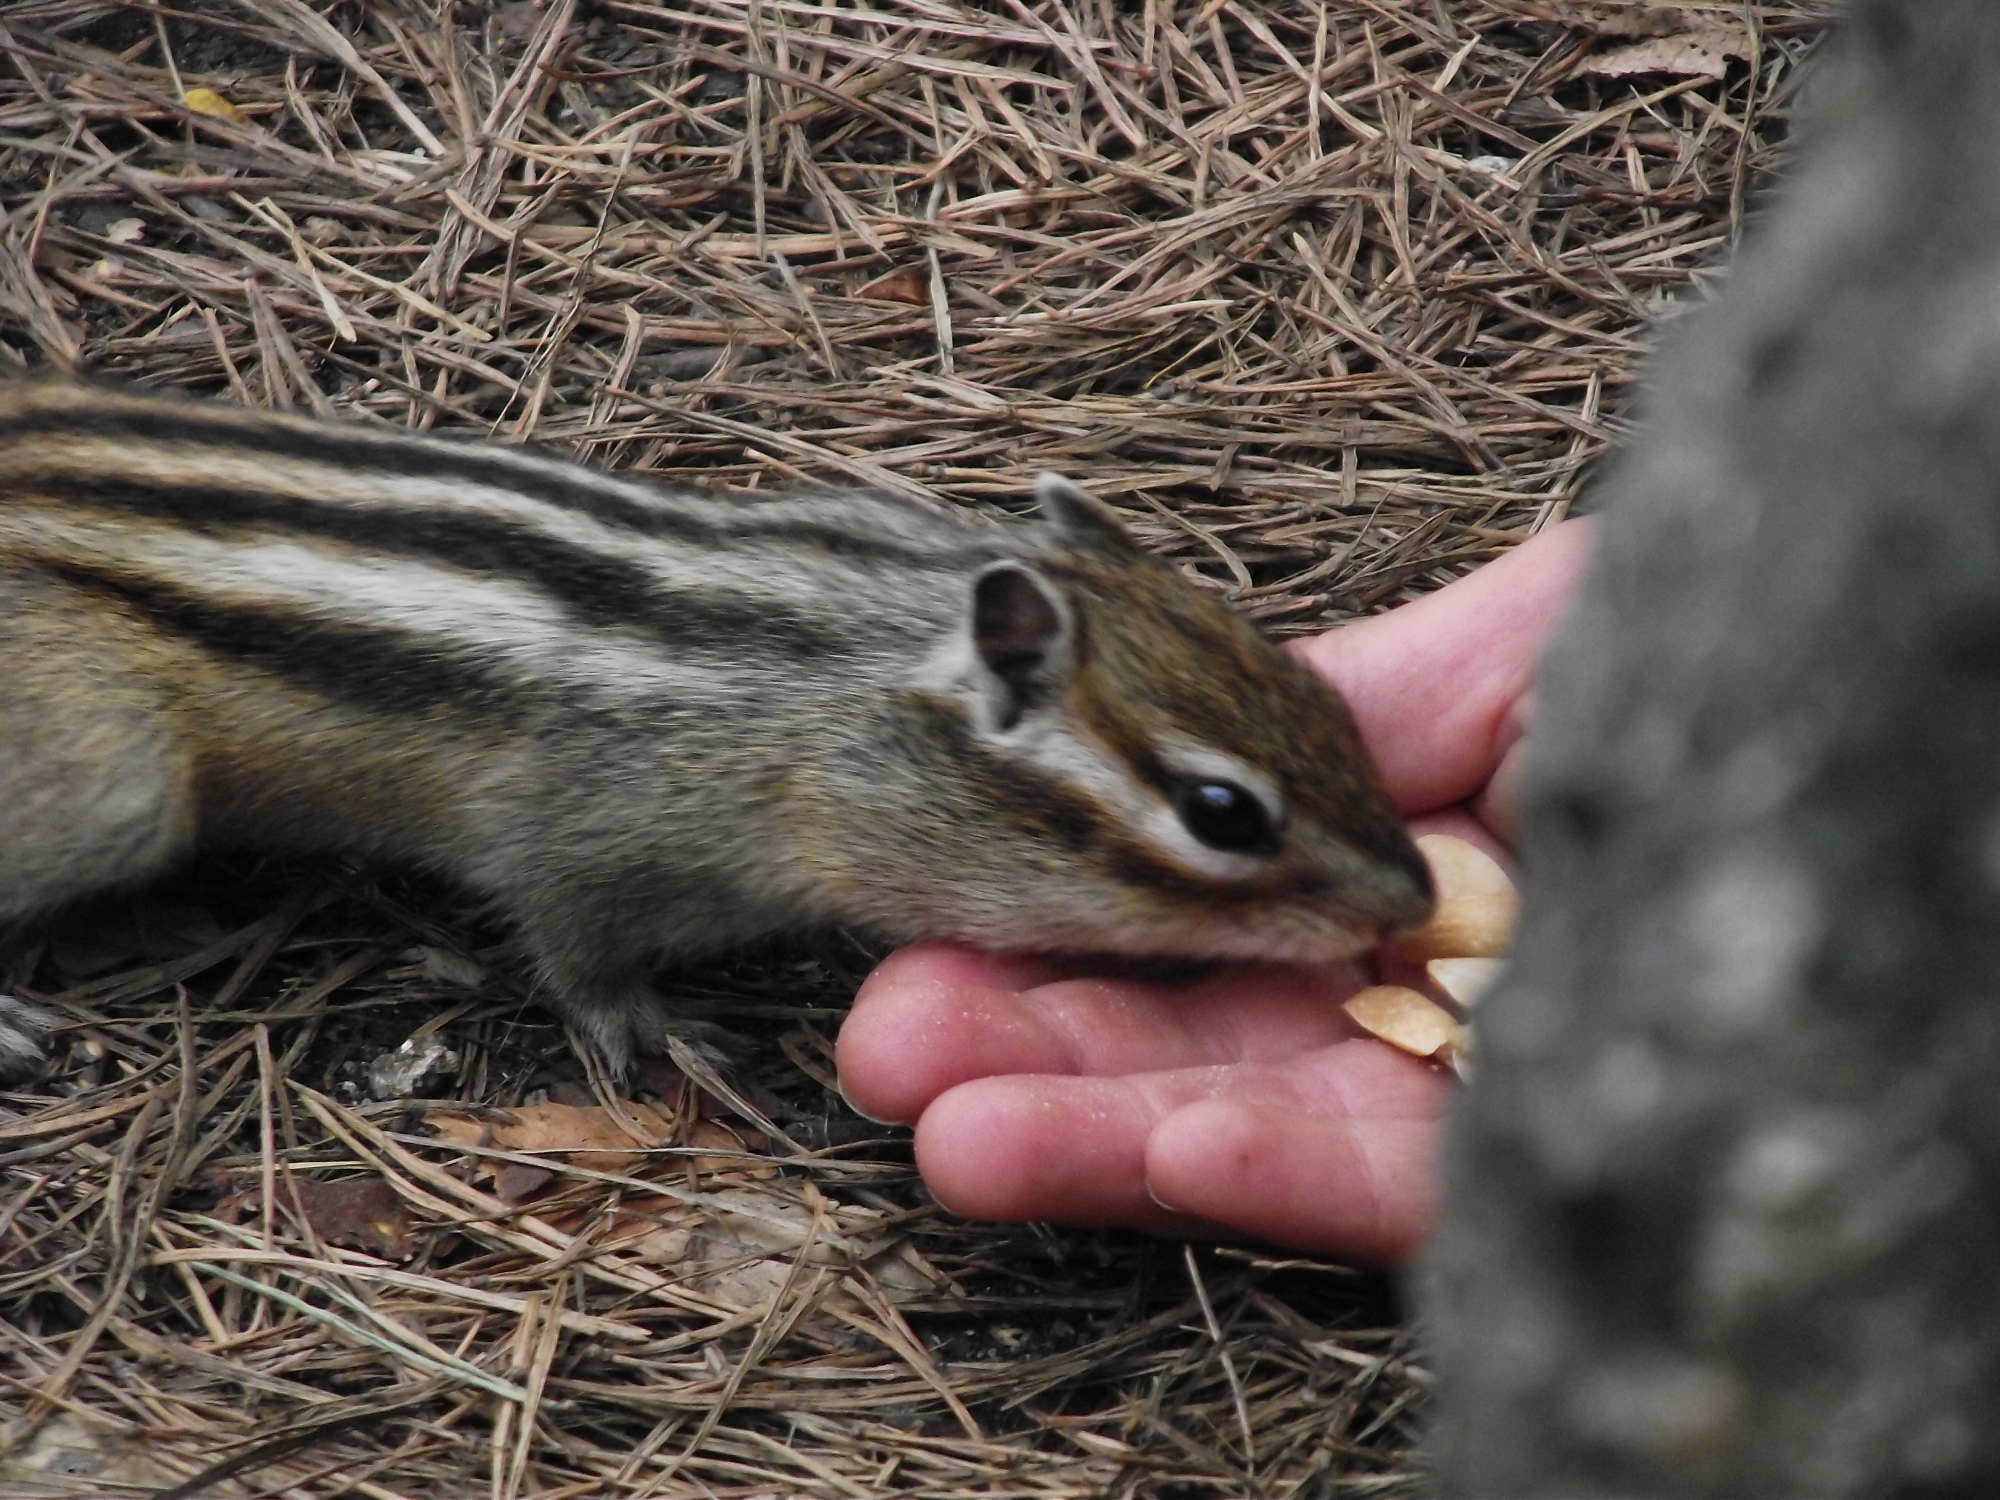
{"x": 95, "y": 791}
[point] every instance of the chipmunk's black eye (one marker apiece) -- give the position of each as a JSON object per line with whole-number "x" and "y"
{"x": 1224, "y": 816}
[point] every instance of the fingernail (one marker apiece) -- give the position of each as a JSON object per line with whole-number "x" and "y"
{"x": 1153, "y": 1193}
{"x": 871, "y": 1119}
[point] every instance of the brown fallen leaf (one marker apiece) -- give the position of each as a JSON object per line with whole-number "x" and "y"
{"x": 361, "y": 1213}
{"x": 655, "y": 1230}
{"x": 669, "y": 1085}
{"x": 516, "y": 1181}
{"x": 587, "y": 1135}
{"x": 591, "y": 1137}
{"x": 904, "y": 284}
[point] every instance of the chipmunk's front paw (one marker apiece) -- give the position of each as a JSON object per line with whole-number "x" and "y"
{"x": 639, "y": 1022}
{"x": 24, "y": 1033}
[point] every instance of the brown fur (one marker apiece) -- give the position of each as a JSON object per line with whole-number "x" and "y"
{"x": 644, "y": 723}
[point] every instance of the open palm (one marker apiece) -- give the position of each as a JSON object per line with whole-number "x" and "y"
{"x": 1242, "y": 1102}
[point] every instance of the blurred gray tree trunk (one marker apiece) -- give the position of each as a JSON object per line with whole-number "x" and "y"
{"x": 1724, "y": 1203}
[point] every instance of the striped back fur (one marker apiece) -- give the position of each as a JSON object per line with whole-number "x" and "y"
{"x": 644, "y": 721}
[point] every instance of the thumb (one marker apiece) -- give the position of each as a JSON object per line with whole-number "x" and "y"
{"x": 1439, "y": 688}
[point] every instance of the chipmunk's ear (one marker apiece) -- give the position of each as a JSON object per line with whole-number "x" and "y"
{"x": 1022, "y": 634}
{"x": 1080, "y": 519}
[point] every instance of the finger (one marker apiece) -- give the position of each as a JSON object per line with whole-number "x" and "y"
{"x": 1077, "y": 1150}
{"x": 1436, "y": 686}
{"x": 1470, "y": 827}
{"x": 1066, "y": 1150}
{"x": 1359, "y": 1187}
{"x": 934, "y": 1017}
{"x": 1495, "y": 805}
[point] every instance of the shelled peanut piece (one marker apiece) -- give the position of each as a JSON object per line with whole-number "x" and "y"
{"x": 1411, "y": 1022}
{"x": 1465, "y": 980}
{"x": 1461, "y": 947}
{"x": 1476, "y": 904}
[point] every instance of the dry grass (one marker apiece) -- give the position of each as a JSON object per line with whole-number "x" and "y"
{"x": 1334, "y": 300}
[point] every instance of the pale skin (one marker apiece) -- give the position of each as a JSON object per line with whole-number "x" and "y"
{"x": 1243, "y": 1103}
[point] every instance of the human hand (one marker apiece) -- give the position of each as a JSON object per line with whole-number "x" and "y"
{"x": 1244, "y": 1102}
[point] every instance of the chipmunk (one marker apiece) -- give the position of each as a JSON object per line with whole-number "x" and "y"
{"x": 647, "y": 723}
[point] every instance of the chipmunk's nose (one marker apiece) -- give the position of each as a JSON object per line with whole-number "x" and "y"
{"x": 1404, "y": 893}
{"x": 1420, "y": 899}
